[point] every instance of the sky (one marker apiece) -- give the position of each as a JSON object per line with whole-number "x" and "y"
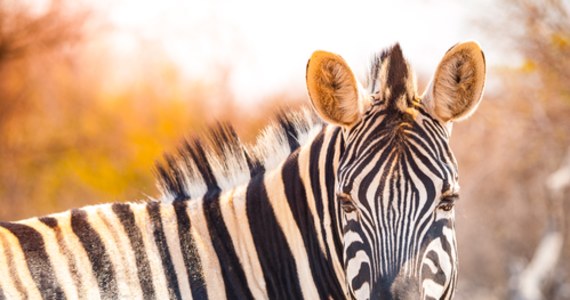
{"x": 266, "y": 44}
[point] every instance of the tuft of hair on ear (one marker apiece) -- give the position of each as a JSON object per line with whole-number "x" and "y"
{"x": 392, "y": 79}
{"x": 458, "y": 84}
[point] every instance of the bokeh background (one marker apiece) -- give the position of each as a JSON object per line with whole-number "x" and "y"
{"x": 93, "y": 92}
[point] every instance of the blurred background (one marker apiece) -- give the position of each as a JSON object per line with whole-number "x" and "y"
{"x": 93, "y": 92}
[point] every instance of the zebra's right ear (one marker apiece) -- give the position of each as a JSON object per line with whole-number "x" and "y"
{"x": 334, "y": 91}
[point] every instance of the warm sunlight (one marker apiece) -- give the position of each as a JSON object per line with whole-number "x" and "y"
{"x": 93, "y": 93}
{"x": 266, "y": 44}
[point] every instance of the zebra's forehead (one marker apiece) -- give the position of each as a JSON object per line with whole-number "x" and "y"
{"x": 397, "y": 129}
{"x": 389, "y": 143}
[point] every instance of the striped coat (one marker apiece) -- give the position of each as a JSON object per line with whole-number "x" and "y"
{"x": 288, "y": 218}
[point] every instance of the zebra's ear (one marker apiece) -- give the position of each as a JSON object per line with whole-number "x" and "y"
{"x": 334, "y": 91}
{"x": 457, "y": 86}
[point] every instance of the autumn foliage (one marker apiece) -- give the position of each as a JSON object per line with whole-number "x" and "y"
{"x": 70, "y": 136}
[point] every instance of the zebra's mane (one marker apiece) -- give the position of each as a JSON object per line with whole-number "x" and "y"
{"x": 218, "y": 160}
{"x": 391, "y": 78}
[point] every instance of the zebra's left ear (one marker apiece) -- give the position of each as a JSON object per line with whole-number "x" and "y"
{"x": 334, "y": 91}
{"x": 457, "y": 86}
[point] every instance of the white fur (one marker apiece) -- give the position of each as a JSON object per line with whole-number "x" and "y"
{"x": 271, "y": 149}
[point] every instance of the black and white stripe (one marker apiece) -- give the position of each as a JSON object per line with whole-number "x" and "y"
{"x": 311, "y": 211}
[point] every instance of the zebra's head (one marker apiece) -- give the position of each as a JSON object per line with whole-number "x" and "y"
{"x": 396, "y": 180}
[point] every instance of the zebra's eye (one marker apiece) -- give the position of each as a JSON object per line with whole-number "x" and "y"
{"x": 346, "y": 202}
{"x": 447, "y": 202}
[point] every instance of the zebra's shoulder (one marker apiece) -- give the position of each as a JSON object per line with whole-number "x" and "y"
{"x": 218, "y": 160}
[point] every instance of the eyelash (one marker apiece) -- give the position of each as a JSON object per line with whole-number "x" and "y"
{"x": 346, "y": 202}
{"x": 448, "y": 202}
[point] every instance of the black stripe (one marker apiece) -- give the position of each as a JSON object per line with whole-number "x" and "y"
{"x": 354, "y": 246}
{"x": 172, "y": 178}
{"x": 232, "y": 271}
{"x": 195, "y": 153}
{"x": 97, "y": 254}
{"x": 2, "y": 296}
{"x": 429, "y": 186}
{"x": 405, "y": 239}
{"x": 449, "y": 289}
{"x": 441, "y": 131}
{"x": 441, "y": 141}
{"x": 153, "y": 209}
{"x": 49, "y": 221}
{"x": 362, "y": 277}
{"x": 37, "y": 259}
{"x": 254, "y": 165}
{"x": 374, "y": 127}
{"x": 316, "y": 172}
{"x": 432, "y": 138}
{"x": 386, "y": 157}
{"x": 275, "y": 257}
{"x": 9, "y": 256}
{"x": 144, "y": 273}
{"x": 330, "y": 179}
{"x": 424, "y": 142}
{"x": 321, "y": 269}
{"x": 72, "y": 266}
{"x": 190, "y": 253}
{"x": 437, "y": 277}
{"x": 315, "y": 176}
{"x": 290, "y": 131}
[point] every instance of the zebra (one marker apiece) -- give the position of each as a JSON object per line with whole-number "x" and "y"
{"x": 353, "y": 198}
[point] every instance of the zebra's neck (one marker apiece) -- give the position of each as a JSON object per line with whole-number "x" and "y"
{"x": 293, "y": 222}
{"x": 278, "y": 236}
{"x": 281, "y": 218}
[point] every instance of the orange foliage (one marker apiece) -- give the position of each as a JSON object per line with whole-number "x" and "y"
{"x": 69, "y": 137}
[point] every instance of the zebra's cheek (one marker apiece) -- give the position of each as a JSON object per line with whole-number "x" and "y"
{"x": 439, "y": 264}
{"x": 358, "y": 270}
